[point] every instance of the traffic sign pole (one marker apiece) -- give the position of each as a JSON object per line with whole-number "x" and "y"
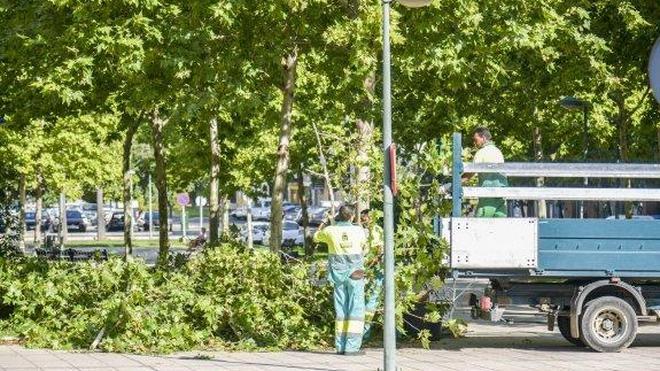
{"x": 183, "y": 220}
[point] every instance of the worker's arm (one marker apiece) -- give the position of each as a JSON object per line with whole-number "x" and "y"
{"x": 321, "y": 235}
{"x": 466, "y": 177}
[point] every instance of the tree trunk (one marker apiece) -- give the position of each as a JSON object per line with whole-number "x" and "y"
{"x": 157, "y": 125}
{"x": 541, "y": 210}
{"x": 214, "y": 200}
{"x": 290, "y": 63}
{"x": 302, "y": 197}
{"x": 21, "y": 214}
{"x": 127, "y": 189}
{"x": 100, "y": 215}
{"x": 365, "y": 132}
{"x": 64, "y": 232}
{"x": 224, "y": 208}
{"x": 38, "y": 212}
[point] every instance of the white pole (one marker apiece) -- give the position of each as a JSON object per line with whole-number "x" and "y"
{"x": 183, "y": 220}
{"x": 151, "y": 211}
{"x": 201, "y": 215}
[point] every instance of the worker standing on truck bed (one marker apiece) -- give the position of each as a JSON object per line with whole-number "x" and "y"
{"x": 489, "y": 153}
{"x": 346, "y": 243}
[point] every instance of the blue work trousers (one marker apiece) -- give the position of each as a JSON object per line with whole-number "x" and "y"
{"x": 373, "y": 301}
{"x": 349, "y": 309}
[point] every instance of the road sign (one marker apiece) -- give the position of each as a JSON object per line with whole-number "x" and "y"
{"x": 183, "y": 199}
{"x": 654, "y": 70}
{"x": 200, "y": 201}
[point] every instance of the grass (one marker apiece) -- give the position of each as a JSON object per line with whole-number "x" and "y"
{"x": 137, "y": 244}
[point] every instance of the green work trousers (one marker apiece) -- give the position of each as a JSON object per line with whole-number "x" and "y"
{"x": 491, "y": 208}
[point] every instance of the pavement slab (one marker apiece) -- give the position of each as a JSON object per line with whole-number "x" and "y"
{"x": 520, "y": 347}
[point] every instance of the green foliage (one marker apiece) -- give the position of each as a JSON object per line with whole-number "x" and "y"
{"x": 226, "y": 297}
{"x": 10, "y": 238}
{"x": 419, "y": 251}
{"x": 456, "y": 326}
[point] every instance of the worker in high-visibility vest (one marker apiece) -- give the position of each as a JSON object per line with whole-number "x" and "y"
{"x": 489, "y": 153}
{"x": 346, "y": 243}
{"x": 374, "y": 255}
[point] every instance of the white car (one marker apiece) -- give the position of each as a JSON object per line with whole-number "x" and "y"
{"x": 261, "y": 209}
{"x": 292, "y": 234}
{"x": 259, "y": 232}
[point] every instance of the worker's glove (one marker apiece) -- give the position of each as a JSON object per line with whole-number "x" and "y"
{"x": 445, "y": 189}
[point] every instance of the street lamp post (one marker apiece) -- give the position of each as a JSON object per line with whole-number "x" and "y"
{"x": 572, "y": 103}
{"x": 389, "y": 328}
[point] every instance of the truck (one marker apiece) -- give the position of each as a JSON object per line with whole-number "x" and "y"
{"x": 596, "y": 280}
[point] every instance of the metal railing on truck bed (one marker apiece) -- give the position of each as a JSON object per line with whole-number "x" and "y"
{"x": 551, "y": 170}
{"x": 532, "y": 247}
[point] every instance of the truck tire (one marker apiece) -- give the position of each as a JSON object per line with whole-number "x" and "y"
{"x": 564, "y": 324}
{"x": 608, "y": 324}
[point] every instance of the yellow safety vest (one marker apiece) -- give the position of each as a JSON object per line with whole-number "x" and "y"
{"x": 346, "y": 243}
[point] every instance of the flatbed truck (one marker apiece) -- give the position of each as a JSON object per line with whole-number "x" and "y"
{"x": 595, "y": 279}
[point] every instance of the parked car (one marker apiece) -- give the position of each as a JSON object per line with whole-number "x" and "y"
{"x": 261, "y": 209}
{"x": 292, "y": 212}
{"x": 31, "y": 223}
{"x": 318, "y": 215}
{"x": 239, "y": 213}
{"x": 292, "y": 234}
{"x": 259, "y": 231}
{"x": 117, "y": 223}
{"x": 75, "y": 219}
{"x": 155, "y": 220}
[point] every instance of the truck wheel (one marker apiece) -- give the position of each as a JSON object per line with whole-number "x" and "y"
{"x": 564, "y": 324}
{"x": 608, "y": 324}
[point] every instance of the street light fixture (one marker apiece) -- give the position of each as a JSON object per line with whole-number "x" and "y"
{"x": 414, "y": 3}
{"x": 389, "y": 326}
{"x": 572, "y": 103}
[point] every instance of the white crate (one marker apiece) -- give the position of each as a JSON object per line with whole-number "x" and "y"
{"x": 496, "y": 243}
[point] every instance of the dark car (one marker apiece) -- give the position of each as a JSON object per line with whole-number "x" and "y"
{"x": 155, "y": 221}
{"x": 116, "y": 222}
{"x": 31, "y": 223}
{"x": 75, "y": 219}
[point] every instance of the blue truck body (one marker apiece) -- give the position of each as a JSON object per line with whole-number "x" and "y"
{"x": 594, "y": 278}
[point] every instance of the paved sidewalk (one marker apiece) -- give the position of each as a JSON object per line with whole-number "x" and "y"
{"x": 488, "y": 347}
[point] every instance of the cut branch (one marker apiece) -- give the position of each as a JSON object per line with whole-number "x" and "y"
{"x": 326, "y": 173}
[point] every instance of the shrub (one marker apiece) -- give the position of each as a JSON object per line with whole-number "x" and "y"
{"x": 226, "y": 297}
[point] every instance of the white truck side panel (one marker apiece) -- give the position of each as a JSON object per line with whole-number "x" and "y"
{"x": 497, "y": 243}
